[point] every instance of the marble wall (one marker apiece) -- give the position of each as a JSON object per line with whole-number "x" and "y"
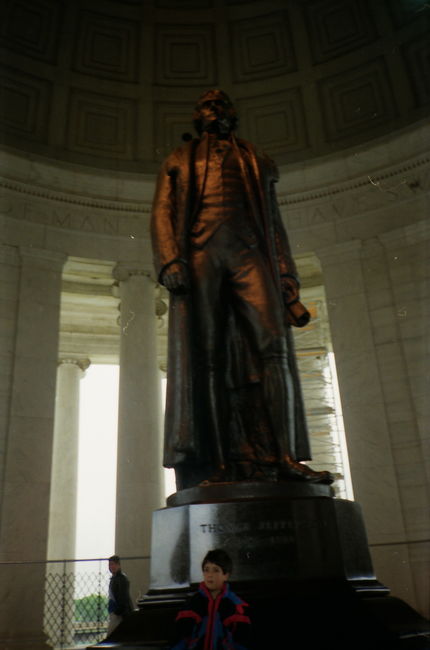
{"x": 368, "y": 225}
{"x": 28, "y": 442}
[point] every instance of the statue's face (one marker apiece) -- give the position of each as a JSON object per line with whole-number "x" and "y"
{"x": 215, "y": 113}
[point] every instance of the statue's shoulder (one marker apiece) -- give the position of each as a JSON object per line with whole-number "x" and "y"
{"x": 181, "y": 155}
{"x": 264, "y": 161}
{"x": 184, "y": 150}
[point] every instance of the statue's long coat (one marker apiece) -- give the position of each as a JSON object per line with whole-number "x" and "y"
{"x": 174, "y": 207}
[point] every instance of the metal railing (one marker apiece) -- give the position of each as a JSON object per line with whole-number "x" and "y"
{"x": 71, "y": 596}
{"x": 75, "y": 612}
{"x": 76, "y": 598}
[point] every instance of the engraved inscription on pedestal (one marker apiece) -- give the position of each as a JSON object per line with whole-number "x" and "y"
{"x": 288, "y": 539}
{"x": 253, "y": 534}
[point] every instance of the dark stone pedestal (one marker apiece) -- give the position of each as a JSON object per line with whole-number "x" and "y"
{"x": 300, "y": 559}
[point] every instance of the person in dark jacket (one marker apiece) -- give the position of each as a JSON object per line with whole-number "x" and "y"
{"x": 214, "y": 618}
{"x": 119, "y": 605}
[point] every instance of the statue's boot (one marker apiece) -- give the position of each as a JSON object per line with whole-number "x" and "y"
{"x": 292, "y": 470}
{"x": 279, "y": 398}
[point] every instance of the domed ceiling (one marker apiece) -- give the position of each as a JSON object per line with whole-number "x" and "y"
{"x": 111, "y": 83}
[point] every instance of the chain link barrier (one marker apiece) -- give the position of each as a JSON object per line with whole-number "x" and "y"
{"x": 76, "y": 601}
{"x": 75, "y": 605}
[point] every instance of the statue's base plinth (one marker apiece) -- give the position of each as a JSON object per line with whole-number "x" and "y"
{"x": 300, "y": 560}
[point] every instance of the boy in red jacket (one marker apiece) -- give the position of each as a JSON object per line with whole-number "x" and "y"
{"x": 214, "y": 618}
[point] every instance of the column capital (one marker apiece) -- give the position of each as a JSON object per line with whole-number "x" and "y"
{"x": 83, "y": 364}
{"x": 124, "y": 270}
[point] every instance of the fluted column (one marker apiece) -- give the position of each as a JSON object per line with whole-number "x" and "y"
{"x": 139, "y": 472}
{"x": 64, "y": 475}
{"x": 9, "y": 296}
{"x": 63, "y": 501}
{"x": 27, "y": 469}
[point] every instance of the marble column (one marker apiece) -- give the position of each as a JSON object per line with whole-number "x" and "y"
{"x": 140, "y": 483}
{"x": 63, "y": 501}
{"x": 9, "y": 273}
{"x": 27, "y": 468}
{"x": 364, "y": 321}
{"x": 64, "y": 475}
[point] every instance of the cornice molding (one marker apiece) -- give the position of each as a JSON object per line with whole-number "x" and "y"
{"x": 73, "y": 199}
{"x": 376, "y": 179}
{"x": 290, "y": 199}
{"x": 336, "y": 200}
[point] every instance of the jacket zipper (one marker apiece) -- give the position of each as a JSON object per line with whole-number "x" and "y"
{"x": 213, "y": 606}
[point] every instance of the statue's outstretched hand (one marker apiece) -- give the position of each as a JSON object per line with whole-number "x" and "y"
{"x": 296, "y": 313}
{"x": 290, "y": 289}
{"x": 176, "y": 279}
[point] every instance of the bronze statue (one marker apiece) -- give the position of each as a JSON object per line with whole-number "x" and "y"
{"x": 234, "y": 408}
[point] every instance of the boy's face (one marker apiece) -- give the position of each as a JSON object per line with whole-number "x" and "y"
{"x": 214, "y": 577}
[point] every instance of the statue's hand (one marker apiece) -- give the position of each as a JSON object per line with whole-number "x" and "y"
{"x": 176, "y": 279}
{"x": 290, "y": 289}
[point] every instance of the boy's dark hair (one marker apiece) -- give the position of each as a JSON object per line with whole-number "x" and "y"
{"x": 221, "y": 558}
{"x": 115, "y": 558}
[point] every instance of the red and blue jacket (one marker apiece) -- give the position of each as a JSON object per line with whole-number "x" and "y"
{"x": 206, "y": 623}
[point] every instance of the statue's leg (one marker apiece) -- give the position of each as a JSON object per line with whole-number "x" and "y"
{"x": 260, "y": 308}
{"x": 208, "y": 326}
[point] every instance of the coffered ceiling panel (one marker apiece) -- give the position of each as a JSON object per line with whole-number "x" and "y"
{"x": 357, "y": 100}
{"x": 31, "y": 27}
{"x": 113, "y": 83}
{"x": 417, "y": 57}
{"x": 175, "y": 119}
{"x": 101, "y": 125}
{"x": 185, "y": 56}
{"x": 25, "y": 104}
{"x": 184, "y": 4}
{"x": 338, "y": 26}
{"x": 406, "y": 11}
{"x": 261, "y": 47}
{"x": 106, "y": 47}
{"x": 276, "y": 122}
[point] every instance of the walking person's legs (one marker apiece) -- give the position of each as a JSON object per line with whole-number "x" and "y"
{"x": 114, "y": 621}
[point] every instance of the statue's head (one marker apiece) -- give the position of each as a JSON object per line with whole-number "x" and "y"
{"x": 215, "y": 113}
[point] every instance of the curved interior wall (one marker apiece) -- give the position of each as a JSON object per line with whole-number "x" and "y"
{"x": 95, "y": 94}
{"x": 363, "y": 213}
